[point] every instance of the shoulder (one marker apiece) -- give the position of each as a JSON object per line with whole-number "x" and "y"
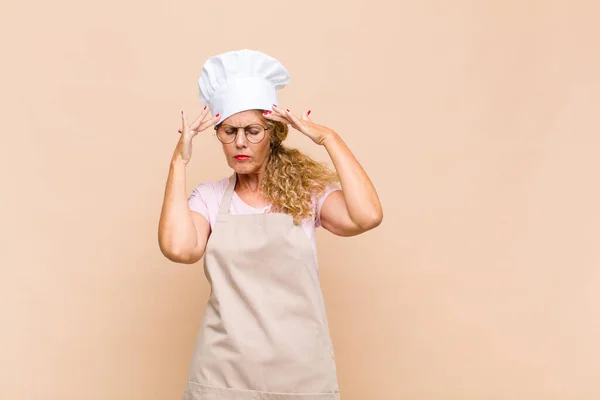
{"x": 319, "y": 199}
{"x": 206, "y": 197}
{"x": 211, "y": 190}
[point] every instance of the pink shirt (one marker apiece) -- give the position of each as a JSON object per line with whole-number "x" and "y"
{"x": 206, "y": 198}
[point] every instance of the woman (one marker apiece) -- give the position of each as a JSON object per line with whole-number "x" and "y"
{"x": 264, "y": 334}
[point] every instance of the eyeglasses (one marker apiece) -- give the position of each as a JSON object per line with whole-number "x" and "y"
{"x": 255, "y": 133}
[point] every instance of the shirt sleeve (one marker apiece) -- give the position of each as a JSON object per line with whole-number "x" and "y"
{"x": 330, "y": 188}
{"x": 197, "y": 200}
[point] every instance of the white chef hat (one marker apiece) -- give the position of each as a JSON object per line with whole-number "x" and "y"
{"x": 241, "y": 80}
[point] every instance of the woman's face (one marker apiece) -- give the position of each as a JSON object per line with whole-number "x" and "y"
{"x": 257, "y": 153}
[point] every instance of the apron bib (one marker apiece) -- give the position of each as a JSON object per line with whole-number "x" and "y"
{"x": 264, "y": 334}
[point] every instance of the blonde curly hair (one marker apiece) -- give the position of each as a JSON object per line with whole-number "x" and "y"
{"x": 291, "y": 177}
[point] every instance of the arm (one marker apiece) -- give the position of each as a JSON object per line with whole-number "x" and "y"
{"x": 356, "y": 208}
{"x": 182, "y": 233}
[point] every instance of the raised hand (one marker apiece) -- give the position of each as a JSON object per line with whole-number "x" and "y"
{"x": 188, "y": 132}
{"x": 318, "y": 133}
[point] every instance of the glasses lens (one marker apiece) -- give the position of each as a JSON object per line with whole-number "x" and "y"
{"x": 226, "y": 133}
{"x": 255, "y": 133}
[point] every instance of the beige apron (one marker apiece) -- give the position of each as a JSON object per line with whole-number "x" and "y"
{"x": 264, "y": 334}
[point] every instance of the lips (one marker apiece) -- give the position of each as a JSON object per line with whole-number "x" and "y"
{"x": 241, "y": 157}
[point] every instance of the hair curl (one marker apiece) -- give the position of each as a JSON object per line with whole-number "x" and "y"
{"x": 292, "y": 178}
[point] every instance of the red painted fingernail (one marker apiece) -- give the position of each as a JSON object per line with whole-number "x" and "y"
{"x": 205, "y": 107}
{"x": 288, "y": 109}
{"x": 275, "y": 105}
{"x": 181, "y": 112}
{"x": 217, "y": 115}
{"x": 308, "y": 112}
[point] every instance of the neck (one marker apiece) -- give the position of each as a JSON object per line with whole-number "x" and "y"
{"x": 250, "y": 182}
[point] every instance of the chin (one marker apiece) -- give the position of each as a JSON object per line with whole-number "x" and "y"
{"x": 242, "y": 168}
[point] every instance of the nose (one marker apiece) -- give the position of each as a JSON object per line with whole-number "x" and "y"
{"x": 240, "y": 138}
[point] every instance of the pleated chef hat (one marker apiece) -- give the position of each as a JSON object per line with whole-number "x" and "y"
{"x": 241, "y": 80}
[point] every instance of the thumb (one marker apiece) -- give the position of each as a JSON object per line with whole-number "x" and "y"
{"x": 306, "y": 115}
{"x": 184, "y": 117}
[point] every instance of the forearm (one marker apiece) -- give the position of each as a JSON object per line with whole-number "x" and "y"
{"x": 361, "y": 198}
{"x": 176, "y": 230}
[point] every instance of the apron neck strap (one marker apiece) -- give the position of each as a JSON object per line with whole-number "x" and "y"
{"x": 226, "y": 201}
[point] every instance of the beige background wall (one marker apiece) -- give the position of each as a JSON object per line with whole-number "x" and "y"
{"x": 477, "y": 122}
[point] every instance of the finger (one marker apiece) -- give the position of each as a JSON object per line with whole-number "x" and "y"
{"x": 209, "y": 122}
{"x": 204, "y": 124}
{"x": 295, "y": 120}
{"x": 185, "y": 124}
{"x": 200, "y": 118}
{"x": 276, "y": 117}
{"x": 276, "y": 114}
{"x": 279, "y": 110}
{"x": 306, "y": 115}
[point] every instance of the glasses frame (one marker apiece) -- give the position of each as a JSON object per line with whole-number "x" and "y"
{"x": 237, "y": 130}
